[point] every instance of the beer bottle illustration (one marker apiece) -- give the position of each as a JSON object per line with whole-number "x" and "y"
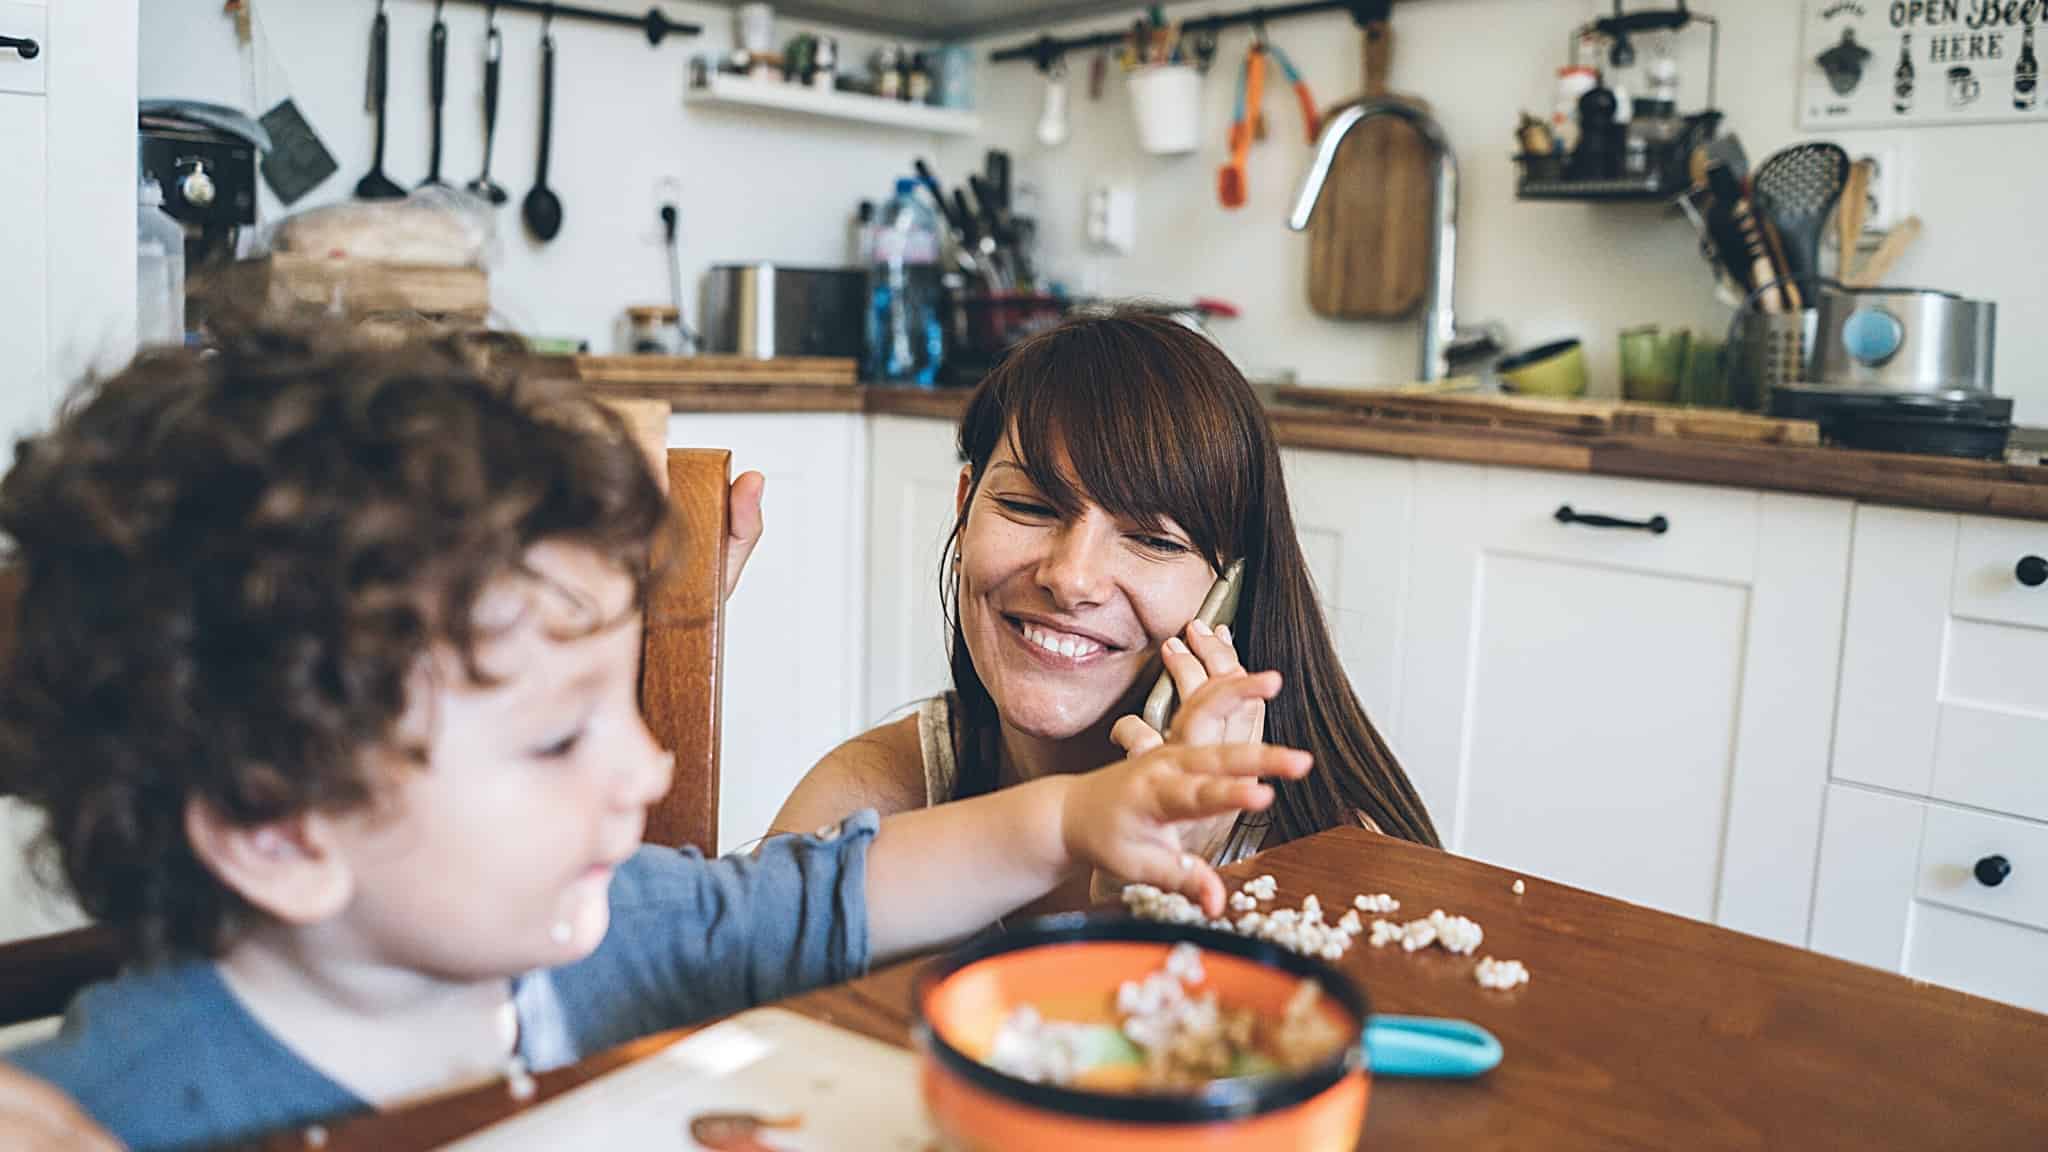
{"x": 1902, "y": 77}
{"x": 2026, "y": 75}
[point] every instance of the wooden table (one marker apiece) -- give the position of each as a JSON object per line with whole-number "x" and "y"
{"x": 1637, "y": 1030}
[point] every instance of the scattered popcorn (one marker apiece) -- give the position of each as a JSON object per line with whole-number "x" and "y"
{"x": 1456, "y": 934}
{"x": 1149, "y": 903}
{"x": 1242, "y": 902}
{"x": 1385, "y": 932}
{"x": 1184, "y": 963}
{"x": 1350, "y": 925}
{"x": 316, "y": 1136}
{"x": 1417, "y": 935}
{"x": 1297, "y": 930}
{"x": 1520, "y": 887}
{"x": 1501, "y": 974}
{"x": 1263, "y": 888}
{"x": 1379, "y": 904}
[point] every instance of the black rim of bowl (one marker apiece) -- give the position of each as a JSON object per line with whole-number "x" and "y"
{"x": 1535, "y": 355}
{"x": 1232, "y": 1099}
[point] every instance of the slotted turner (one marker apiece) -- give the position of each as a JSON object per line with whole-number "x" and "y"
{"x": 1796, "y": 190}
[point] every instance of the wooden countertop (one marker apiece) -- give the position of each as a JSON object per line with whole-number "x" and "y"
{"x": 1637, "y": 1029}
{"x": 1967, "y": 486}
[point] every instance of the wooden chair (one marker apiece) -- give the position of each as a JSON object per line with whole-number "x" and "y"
{"x": 681, "y": 656}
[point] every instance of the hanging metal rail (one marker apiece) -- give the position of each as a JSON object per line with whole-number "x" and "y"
{"x": 1044, "y": 50}
{"x": 655, "y": 24}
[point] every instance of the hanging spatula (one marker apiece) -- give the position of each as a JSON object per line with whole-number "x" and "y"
{"x": 1796, "y": 190}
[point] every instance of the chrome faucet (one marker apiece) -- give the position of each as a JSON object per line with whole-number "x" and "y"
{"x": 1441, "y": 338}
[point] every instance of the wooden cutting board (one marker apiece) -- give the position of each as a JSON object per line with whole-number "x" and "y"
{"x": 1369, "y": 239}
{"x": 1546, "y": 414}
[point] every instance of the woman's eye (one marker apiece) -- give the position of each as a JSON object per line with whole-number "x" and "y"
{"x": 1163, "y": 544}
{"x": 1022, "y": 507}
{"x": 559, "y": 748}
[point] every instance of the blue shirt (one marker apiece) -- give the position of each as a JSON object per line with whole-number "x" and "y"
{"x": 167, "y": 1057}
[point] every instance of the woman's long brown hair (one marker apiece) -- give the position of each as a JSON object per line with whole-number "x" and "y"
{"x": 1158, "y": 424}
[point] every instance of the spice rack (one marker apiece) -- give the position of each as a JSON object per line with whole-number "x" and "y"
{"x": 1668, "y": 173}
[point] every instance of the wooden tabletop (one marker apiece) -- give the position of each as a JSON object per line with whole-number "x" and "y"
{"x": 1637, "y": 1030}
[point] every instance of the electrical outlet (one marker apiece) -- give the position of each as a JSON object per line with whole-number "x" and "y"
{"x": 1890, "y": 189}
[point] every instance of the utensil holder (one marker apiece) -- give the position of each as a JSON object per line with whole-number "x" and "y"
{"x": 1167, "y": 100}
{"x": 1769, "y": 351}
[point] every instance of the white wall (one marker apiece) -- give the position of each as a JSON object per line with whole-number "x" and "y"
{"x": 754, "y": 186}
{"x": 1547, "y": 270}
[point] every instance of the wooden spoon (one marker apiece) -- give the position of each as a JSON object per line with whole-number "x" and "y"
{"x": 1849, "y": 219}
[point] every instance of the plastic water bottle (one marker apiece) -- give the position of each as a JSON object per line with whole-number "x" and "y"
{"x": 159, "y": 270}
{"x": 904, "y": 329}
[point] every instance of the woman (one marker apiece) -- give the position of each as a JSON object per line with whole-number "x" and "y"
{"x": 1115, "y": 465}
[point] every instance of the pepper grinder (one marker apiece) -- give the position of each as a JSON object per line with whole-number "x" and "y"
{"x": 1599, "y": 154}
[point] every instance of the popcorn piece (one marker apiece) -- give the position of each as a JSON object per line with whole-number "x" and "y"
{"x": 1379, "y": 904}
{"x": 315, "y": 1136}
{"x": 1520, "y": 888}
{"x": 1456, "y": 934}
{"x": 1500, "y": 975}
{"x": 1184, "y": 963}
{"x": 1385, "y": 932}
{"x": 1417, "y": 935}
{"x": 1242, "y": 902}
{"x": 1350, "y": 925}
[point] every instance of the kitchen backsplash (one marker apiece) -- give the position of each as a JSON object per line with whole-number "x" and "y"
{"x": 1544, "y": 270}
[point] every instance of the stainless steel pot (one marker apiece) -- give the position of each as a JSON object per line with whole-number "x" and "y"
{"x": 1892, "y": 342}
{"x": 764, "y": 310}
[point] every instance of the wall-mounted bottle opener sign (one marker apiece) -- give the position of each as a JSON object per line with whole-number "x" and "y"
{"x": 1886, "y": 63}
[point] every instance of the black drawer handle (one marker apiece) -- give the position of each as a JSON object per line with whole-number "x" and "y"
{"x": 1992, "y": 870}
{"x": 24, "y": 47}
{"x": 1655, "y": 525}
{"x": 2031, "y": 571}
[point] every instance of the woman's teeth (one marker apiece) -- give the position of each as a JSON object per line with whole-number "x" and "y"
{"x": 1060, "y": 643}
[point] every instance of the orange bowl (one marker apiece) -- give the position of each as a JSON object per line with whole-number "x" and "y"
{"x": 963, "y": 999}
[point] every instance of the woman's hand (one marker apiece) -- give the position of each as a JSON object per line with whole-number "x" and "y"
{"x": 1205, "y": 669}
{"x": 743, "y": 525}
{"x": 1126, "y": 819}
{"x": 36, "y": 1117}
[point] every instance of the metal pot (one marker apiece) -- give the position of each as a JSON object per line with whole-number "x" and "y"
{"x": 1894, "y": 342}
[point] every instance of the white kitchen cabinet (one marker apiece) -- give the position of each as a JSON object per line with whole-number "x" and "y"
{"x": 1949, "y": 895}
{"x": 1642, "y": 714}
{"x": 793, "y": 631}
{"x": 912, "y": 491}
{"x": 67, "y": 204}
{"x": 67, "y": 267}
{"x": 1352, "y": 515}
{"x": 1943, "y": 686}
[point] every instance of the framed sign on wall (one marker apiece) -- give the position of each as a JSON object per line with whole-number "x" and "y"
{"x": 1893, "y": 63}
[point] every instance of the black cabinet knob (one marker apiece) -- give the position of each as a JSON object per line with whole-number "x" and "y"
{"x": 1992, "y": 871}
{"x": 2031, "y": 571}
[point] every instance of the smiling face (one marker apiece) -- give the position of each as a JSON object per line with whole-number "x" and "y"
{"x": 496, "y": 855}
{"x": 1063, "y": 613}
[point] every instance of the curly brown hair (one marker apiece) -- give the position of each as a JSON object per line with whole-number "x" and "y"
{"x": 232, "y": 562}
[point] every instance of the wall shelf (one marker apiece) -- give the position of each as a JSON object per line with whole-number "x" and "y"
{"x": 744, "y": 92}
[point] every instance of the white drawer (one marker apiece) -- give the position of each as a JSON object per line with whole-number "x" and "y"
{"x": 1943, "y": 691}
{"x": 1709, "y": 533}
{"x": 1956, "y": 846}
{"x": 1990, "y": 558}
{"x": 1896, "y": 889}
{"x": 24, "y": 20}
